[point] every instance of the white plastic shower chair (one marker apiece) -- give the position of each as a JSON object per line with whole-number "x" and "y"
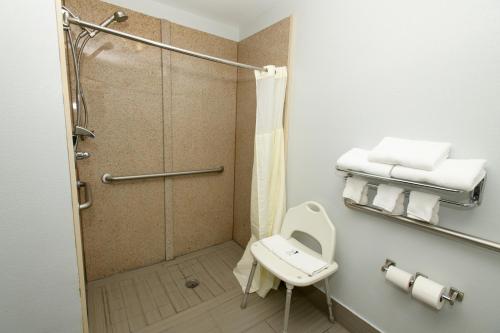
{"x": 309, "y": 218}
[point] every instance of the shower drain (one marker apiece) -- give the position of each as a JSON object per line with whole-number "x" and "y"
{"x": 192, "y": 283}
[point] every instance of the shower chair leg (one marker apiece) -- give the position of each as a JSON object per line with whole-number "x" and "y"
{"x": 288, "y": 301}
{"x": 249, "y": 285}
{"x": 329, "y": 301}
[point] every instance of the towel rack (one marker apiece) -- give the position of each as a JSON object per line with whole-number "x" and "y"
{"x": 400, "y": 181}
{"x": 474, "y": 196}
{"x": 108, "y": 179}
{"x": 471, "y": 204}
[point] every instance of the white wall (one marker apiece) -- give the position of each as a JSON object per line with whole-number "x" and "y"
{"x": 38, "y": 275}
{"x": 179, "y": 16}
{"x": 415, "y": 69}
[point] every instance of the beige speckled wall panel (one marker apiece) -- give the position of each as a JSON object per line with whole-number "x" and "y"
{"x": 203, "y": 133}
{"x": 154, "y": 110}
{"x": 166, "y": 28}
{"x": 124, "y": 229}
{"x": 269, "y": 46}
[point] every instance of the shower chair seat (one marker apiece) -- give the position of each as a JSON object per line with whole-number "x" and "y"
{"x": 286, "y": 272}
{"x": 309, "y": 218}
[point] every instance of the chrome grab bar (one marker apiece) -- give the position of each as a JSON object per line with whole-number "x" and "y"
{"x": 487, "y": 244}
{"x": 88, "y": 195}
{"x": 108, "y": 179}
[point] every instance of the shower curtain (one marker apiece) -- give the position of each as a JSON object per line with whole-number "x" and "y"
{"x": 268, "y": 202}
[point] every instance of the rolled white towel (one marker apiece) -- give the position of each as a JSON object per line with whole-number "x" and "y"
{"x": 390, "y": 199}
{"x": 356, "y": 159}
{"x": 454, "y": 173}
{"x": 424, "y": 207}
{"x": 424, "y": 155}
{"x": 356, "y": 190}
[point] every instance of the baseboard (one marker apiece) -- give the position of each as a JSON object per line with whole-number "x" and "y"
{"x": 352, "y": 322}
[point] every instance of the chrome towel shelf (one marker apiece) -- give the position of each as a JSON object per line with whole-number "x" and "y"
{"x": 445, "y": 232}
{"x": 108, "y": 179}
{"x": 474, "y": 199}
{"x": 471, "y": 204}
{"x": 399, "y": 181}
{"x": 474, "y": 196}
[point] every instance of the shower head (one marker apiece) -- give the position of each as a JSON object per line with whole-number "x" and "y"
{"x": 118, "y": 16}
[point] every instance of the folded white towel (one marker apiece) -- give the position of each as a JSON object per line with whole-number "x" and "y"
{"x": 306, "y": 263}
{"x": 356, "y": 190}
{"x": 293, "y": 256}
{"x": 357, "y": 160}
{"x": 415, "y": 154}
{"x": 423, "y": 206}
{"x": 278, "y": 245}
{"x": 454, "y": 173}
{"x": 390, "y": 198}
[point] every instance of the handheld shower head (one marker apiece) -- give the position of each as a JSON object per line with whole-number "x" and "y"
{"x": 118, "y": 16}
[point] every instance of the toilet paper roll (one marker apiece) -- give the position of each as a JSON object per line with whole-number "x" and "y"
{"x": 399, "y": 277}
{"x": 428, "y": 292}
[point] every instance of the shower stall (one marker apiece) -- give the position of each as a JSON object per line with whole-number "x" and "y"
{"x": 163, "y": 129}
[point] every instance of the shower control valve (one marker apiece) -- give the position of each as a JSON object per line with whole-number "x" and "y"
{"x": 82, "y": 155}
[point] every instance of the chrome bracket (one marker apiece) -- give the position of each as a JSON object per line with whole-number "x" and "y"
{"x": 65, "y": 16}
{"x": 388, "y": 263}
{"x": 454, "y": 295}
{"x": 476, "y": 195}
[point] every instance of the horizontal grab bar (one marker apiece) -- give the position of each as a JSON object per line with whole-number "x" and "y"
{"x": 487, "y": 244}
{"x": 108, "y": 179}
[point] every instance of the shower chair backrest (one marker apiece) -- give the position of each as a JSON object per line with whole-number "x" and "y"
{"x": 311, "y": 219}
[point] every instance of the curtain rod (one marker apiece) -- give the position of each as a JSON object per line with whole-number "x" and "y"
{"x": 150, "y": 42}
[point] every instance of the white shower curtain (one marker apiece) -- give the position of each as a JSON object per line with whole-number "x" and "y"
{"x": 268, "y": 203}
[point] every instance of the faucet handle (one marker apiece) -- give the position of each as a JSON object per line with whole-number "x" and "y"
{"x": 82, "y": 155}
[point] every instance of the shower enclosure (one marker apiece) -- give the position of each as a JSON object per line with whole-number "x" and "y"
{"x": 163, "y": 123}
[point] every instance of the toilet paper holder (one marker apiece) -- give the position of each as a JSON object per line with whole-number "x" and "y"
{"x": 453, "y": 295}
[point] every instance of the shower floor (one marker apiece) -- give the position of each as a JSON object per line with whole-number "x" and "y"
{"x": 156, "y": 299}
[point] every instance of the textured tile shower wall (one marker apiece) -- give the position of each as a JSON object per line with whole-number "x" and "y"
{"x": 153, "y": 111}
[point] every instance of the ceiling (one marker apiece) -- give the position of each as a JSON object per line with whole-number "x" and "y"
{"x": 231, "y": 12}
